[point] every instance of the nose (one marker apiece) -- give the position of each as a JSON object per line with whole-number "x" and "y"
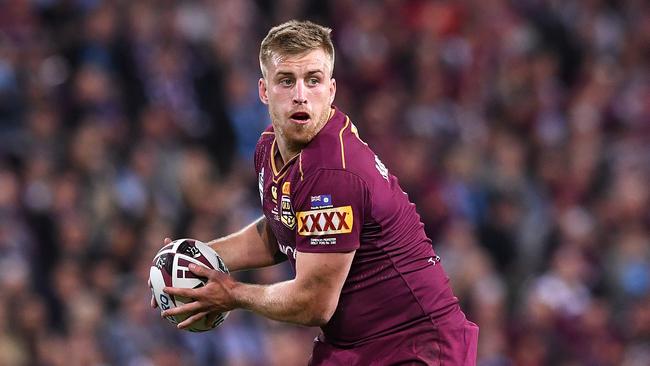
{"x": 299, "y": 94}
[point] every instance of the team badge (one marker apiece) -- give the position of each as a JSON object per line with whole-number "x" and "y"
{"x": 287, "y": 216}
{"x": 337, "y": 220}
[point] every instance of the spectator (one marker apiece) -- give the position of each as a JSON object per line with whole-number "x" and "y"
{"x": 520, "y": 129}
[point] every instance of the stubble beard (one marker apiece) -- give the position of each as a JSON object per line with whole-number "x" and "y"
{"x": 296, "y": 141}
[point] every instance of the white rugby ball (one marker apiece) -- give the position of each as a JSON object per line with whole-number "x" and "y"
{"x": 170, "y": 268}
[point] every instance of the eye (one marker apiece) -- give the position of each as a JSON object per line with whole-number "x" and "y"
{"x": 286, "y": 82}
{"x": 313, "y": 81}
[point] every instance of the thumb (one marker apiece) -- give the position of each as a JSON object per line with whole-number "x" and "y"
{"x": 167, "y": 241}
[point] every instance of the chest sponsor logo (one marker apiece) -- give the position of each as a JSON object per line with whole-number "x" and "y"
{"x": 287, "y": 216}
{"x": 337, "y": 220}
{"x": 286, "y": 188}
{"x": 287, "y": 250}
{"x": 321, "y": 201}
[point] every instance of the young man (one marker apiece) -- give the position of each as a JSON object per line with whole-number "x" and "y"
{"x": 364, "y": 270}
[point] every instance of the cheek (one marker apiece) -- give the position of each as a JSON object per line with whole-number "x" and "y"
{"x": 277, "y": 94}
{"x": 325, "y": 97}
{"x": 275, "y": 114}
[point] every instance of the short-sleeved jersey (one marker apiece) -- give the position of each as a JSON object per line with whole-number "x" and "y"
{"x": 337, "y": 196}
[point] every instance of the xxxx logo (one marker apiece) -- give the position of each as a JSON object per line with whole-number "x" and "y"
{"x": 337, "y": 220}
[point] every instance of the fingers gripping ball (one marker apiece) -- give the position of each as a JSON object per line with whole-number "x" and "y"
{"x": 170, "y": 268}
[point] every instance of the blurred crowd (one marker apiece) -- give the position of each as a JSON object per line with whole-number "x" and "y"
{"x": 521, "y": 129}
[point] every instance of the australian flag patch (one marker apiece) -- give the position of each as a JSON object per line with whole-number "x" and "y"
{"x": 321, "y": 201}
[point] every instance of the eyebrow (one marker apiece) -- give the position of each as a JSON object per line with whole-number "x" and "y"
{"x": 289, "y": 73}
{"x": 317, "y": 71}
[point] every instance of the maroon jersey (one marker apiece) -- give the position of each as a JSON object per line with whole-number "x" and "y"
{"x": 337, "y": 196}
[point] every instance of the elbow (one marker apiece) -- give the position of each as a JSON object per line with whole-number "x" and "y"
{"x": 318, "y": 320}
{"x": 320, "y": 316}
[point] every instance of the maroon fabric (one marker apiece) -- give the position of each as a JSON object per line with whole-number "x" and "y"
{"x": 336, "y": 196}
{"x": 453, "y": 344}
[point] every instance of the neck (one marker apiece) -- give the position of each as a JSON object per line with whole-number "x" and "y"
{"x": 287, "y": 151}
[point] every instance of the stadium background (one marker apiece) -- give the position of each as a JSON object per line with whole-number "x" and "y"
{"x": 520, "y": 128}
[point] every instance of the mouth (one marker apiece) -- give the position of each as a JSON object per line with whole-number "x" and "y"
{"x": 300, "y": 118}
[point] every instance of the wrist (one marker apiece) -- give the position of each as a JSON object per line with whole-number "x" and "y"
{"x": 237, "y": 293}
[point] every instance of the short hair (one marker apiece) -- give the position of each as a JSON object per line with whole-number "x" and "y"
{"x": 294, "y": 38}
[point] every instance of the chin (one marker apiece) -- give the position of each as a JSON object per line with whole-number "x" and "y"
{"x": 301, "y": 138}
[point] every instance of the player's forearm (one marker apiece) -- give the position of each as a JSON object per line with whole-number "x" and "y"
{"x": 252, "y": 247}
{"x": 286, "y": 302}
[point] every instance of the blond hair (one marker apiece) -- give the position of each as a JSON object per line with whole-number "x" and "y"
{"x": 294, "y": 38}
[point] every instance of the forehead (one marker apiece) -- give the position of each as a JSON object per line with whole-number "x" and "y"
{"x": 314, "y": 60}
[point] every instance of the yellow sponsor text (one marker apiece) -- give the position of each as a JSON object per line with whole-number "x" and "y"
{"x": 337, "y": 220}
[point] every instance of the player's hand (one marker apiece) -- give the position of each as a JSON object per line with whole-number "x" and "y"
{"x": 213, "y": 298}
{"x": 153, "y": 302}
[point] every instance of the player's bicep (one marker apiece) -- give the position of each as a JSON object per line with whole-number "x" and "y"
{"x": 323, "y": 275}
{"x": 268, "y": 239}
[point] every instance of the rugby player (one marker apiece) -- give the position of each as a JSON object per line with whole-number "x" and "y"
{"x": 365, "y": 272}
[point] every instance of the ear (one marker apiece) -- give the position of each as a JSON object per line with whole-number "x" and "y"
{"x": 332, "y": 90}
{"x": 263, "y": 91}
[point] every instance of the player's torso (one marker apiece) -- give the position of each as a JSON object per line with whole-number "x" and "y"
{"x": 289, "y": 202}
{"x": 394, "y": 281}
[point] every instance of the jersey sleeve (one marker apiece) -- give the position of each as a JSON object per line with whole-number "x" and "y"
{"x": 330, "y": 207}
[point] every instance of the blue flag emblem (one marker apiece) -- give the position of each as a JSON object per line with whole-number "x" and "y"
{"x": 321, "y": 201}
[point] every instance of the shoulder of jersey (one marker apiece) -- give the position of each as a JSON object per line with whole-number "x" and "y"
{"x": 266, "y": 138}
{"x": 263, "y": 144}
{"x": 267, "y": 133}
{"x": 335, "y": 147}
